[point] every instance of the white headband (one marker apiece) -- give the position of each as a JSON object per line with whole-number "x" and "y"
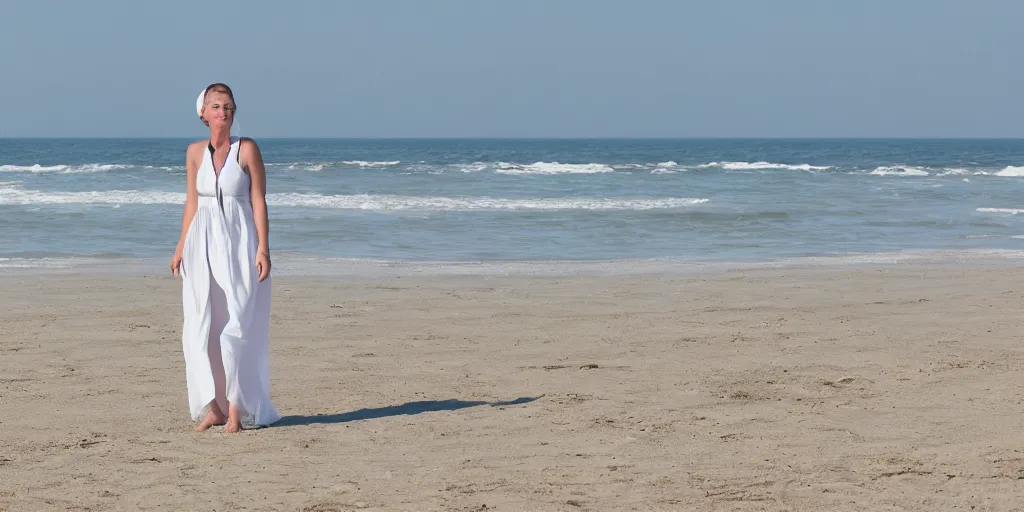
{"x": 199, "y": 103}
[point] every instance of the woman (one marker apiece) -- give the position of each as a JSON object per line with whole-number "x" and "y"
{"x": 223, "y": 258}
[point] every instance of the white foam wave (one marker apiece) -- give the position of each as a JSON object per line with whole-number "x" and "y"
{"x": 1011, "y": 171}
{"x": 363, "y": 163}
{"x": 758, "y": 166}
{"x": 64, "y": 168}
{"x": 955, "y": 171}
{"x": 473, "y": 167}
{"x": 899, "y": 171}
{"x": 33, "y": 168}
{"x": 669, "y": 167}
{"x": 319, "y": 166}
{"x": 552, "y": 168}
{"x": 1002, "y": 211}
{"x": 16, "y": 196}
{"x": 391, "y": 203}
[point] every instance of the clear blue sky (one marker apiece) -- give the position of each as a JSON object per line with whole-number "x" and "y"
{"x": 501, "y": 68}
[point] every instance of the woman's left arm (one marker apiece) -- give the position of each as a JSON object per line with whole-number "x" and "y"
{"x": 258, "y": 196}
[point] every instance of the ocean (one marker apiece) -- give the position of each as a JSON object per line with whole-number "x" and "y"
{"x": 480, "y": 200}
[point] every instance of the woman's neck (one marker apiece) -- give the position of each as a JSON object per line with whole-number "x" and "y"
{"x": 219, "y": 138}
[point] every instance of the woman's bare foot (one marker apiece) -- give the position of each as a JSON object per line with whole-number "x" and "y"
{"x": 234, "y": 423}
{"x": 213, "y": 417}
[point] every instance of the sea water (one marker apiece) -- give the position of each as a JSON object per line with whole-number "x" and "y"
{"x": 480, "y": 200}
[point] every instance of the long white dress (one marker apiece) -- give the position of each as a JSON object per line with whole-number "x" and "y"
{"x": 225, "y": 333}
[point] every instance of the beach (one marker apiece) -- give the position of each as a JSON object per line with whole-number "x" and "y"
{"x": 809, "y": 387}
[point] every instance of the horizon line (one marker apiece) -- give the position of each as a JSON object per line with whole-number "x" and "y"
{"x": 521, "y": 138}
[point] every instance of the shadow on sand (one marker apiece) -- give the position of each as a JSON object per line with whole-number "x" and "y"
{"x": 409, "y": 408}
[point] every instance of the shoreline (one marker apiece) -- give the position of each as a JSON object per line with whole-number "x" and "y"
{"x": 298, "y": 265}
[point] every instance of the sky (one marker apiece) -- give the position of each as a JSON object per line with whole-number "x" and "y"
{"x": 522, "y": 68}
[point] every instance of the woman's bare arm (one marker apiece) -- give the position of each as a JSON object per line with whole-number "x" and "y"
{"x": 258, "y": 194}
{"x": 191, "y": 193}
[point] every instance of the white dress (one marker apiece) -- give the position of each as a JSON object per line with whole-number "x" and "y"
{"x": 225, "y": 333}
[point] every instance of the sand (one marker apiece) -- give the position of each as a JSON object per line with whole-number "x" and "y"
{"x": 885, "y": 387}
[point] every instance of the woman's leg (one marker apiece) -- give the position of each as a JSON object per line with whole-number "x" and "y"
{"x": 218, "y": 319}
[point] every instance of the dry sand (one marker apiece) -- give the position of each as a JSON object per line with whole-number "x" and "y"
{"x": 875, "y": 388}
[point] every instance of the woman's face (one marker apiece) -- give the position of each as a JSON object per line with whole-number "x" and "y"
{"x": 218, "y": 109}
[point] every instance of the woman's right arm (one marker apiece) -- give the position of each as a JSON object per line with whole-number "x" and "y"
{"x": 191, "y": 202}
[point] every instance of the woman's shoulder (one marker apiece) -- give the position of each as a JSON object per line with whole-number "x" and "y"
{"x": 248, "y": 147}
{"x": 197, "y": 146}
{"x": 247, "y": 142}
{"x": 194, "y": 153}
